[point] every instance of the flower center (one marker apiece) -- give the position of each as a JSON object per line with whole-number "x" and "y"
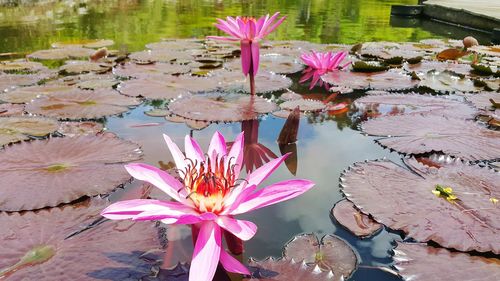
{"x": 208, "y": 183}
{"x": 248, "y": 19}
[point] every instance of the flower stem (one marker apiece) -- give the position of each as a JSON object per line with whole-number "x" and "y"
{"x": 250, "y": 73}
{"x": 234, "y": 244}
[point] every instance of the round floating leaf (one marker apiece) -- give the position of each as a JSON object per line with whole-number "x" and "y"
{"x": 388, "y": 80}
{"x": 79, "y": 67}
{"x": 351, "y": 218}
{"x": 265, "y": 82}
{"x": 166, "y": 86}
{"x": 46, "y": 173}
{"x": 133, "y": 70}
{"x": 396, "y": 104}
{"x": 291, "y": 48}
{"x": 151, "y": 56}
{"x": 87, "y": 43}
{"x": 81, "y": 104}
{"x": 304, "y": 105}
{"x": 332, "y": 254}
{"x": 284, "y": 113}
{"x": 193, "y": 124}
{"x": 417, "y": 134}
{"x": 390, "y": 50}
{"x": 73, "y": 129}
{"x": 462, "y": 218}
{"x": 286, "y": 270}
{"x": 62, "y": 53}
{"x": 98, "y": 83}
{"x": 447, "y": 82}
{"x": 27, "y": 94}
{"x": 14, "y": 129}
{"x": 176, "y": 44}
{"x": 363, "y": 66}
{"x": 275, "y": 63}
{"x": 8, "y": 81}
{"x": 221, "y": 107}
{"x": 426, "y": 66}
{"x": 21, "y": 66}
{"x": 9, "y": 109}
{"x": 157, "y": 112}
{"x": 38, "y": 246}
{"x": 486, "y": 50}
{"x": 486, "y": 102}
{"x": 419, "y": 262}
{"x": 290, "y": 96}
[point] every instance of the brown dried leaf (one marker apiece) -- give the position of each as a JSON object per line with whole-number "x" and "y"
{"x": 46, "y": 173}
{"x": 419, "y": 262}
{"x": 403, "y": 200}
{"x": 451, "y": 54}
{"x": 417, "y": 134}
{"x": 356, "y": 222}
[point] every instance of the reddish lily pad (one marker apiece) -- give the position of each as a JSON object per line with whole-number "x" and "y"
{"x": 176, "y": 44}
{"x": 304, "y": 105}
{"x": 419, "y": 262}
{"x": 133, "y": 70}
{"x": 193, "y": 124}
{"x": 21, "y": 65}
{"x": 291, "y": 96}
{"x": 14, "y": 129}
{"x": 426, "y": 66}
{"x": 73, "y": 129}
{"x": 275, "y": 63}
{"x": 79, "y": 67}
{"x": 403, "y": 199}
{"x": 483, "y": 101}
{"x": 151, "y": 56}
{"x": 356, "y": 222}
{"x": 331, "y": 254}
{"x": 62, "y": 53}
{"x": 284, "y": 113}
{"x": 446, "y": 82}
{"x": 9, "y": 81}
{"x": 81, "y": 104}
{"x": 387, "y": 80}
{"x": 62, "y": 170}
{"x": 27, "y": 94}
{"x": 286, "y": 270}
{"x": 265, "y": 82}
{"x": 410, "y": 104}
{"x": 166, "y": 86}
{"x": 117, "y": 250}
{"x": 221, "y": 107}
{"x": 417, "y": 134}
{"x": 9, "y": 109}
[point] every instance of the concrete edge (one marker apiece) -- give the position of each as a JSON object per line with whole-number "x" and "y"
{"x": 461, "y": 17}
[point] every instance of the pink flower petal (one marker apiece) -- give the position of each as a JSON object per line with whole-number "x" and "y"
{"x": 235, "y": 155}
{"x": 231, "y": 264}
{"x": 193, "y": 150}
{"x": 244, "y": 230}
{"x": 217, "y": 144}
{"x": 129, "y": 209}
{"x": 160, "y": 179}
{"x": 179, "y": 158}
{"x": 265, "y": 171}
{"x": 246, "y": 56}
{"x": 263, "y": 32}
{"x": 273, "y": 194}
{"x": 206, "y": 253}
{"x": 272, "y": 28}
{"x": 255, "y": 57}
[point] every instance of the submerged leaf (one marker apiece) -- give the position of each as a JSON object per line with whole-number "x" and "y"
{"x": 417, "y": 134}
{"x": 49, "y": 172}
{"x": 351, "y": 218}
{"x": 402, "y": 199}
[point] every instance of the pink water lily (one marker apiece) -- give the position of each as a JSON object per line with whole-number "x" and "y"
{"x": 249, "y": 31}
{"x": 321, "y": 63}
{"x": 209, "y": 196}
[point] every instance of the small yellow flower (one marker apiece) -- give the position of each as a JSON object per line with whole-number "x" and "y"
{"x": 493, "y": 200}
{"x": 444, "y": 192}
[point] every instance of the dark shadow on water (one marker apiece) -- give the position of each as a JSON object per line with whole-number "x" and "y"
{"x": 136, "y": 265}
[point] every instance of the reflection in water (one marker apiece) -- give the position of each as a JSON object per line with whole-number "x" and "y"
{"x": 255, "y": 153}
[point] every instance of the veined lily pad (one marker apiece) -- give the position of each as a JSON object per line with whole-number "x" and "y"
{"x": 133, "y": 70}
{"x": 166, "y": 86}
{"x": 221, "y": 107}
{"x": 73, "y": 129}
{"x": 463, "y": 217}
{"x": 14, "y": 129}
{"x": 9, "y": 109}
{"x": 193, "y": 124}
{"x": 388, "y": 80}
{"x": 21, "y": 66}
{"x": 395, "y": 104}
{"x": 275, "y": 63}
{"x": 426, "y": 66}
{"x": 9, "y": 81}
{"x": 79, "y": 67}
{"x": 27, "y": 94}
{"x": 151, "y": 56}
{"x": 286, "y": 270}
{"x": 356, "y": 222}
{"x": 38, "y": 246}
{"x": 62, "y": 170}
{"x": 331, "y": 254}
{"x": 81, "y": 104}
{"x": 265, "y": 82}
{"x": 62, "y": 53}
{"x": 447, "y": 82}
{"x": 290, "y": 96}
{"x": 419, "y": 262}
{"x": 417, "y": 134}
{"x": 304, "y": 105}
{"x": 485, "y": 102}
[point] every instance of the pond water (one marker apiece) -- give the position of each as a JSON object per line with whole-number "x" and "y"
{"x": 325, "y": 147}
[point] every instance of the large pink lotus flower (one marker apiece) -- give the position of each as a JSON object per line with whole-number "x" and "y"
{"x": 210, "y": 195}
{"x": 249, "y": 31}
{"x": 321, "y": 63}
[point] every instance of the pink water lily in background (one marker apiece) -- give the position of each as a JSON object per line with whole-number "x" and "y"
{"x": 249, "y": 31}
{"x": 321, "y": 63}
{"x": 209, "y": 196}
